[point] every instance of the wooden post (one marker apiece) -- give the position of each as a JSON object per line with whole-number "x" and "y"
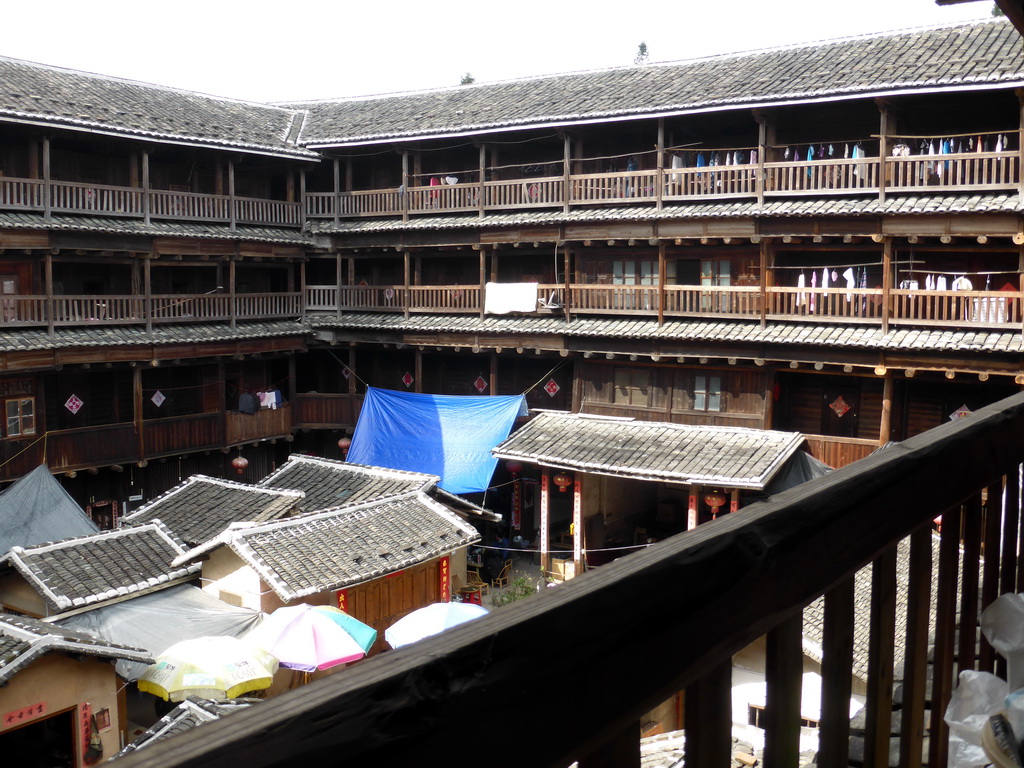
{"x": 348, "y": 175}
{"x": 303, "y": 209}
{"x": 351, "y": 374}
{"x": 1020, "y": 140}
{"x": 567, "y": 282}
{"x": 492, "y": 375}
{"x": 566, "y": 172}
{"x": 661, "y": 280}
{"x": 783, "y": 678}
{"x": 766, "y": 254}
{"x": 47, "y": 191}
{"x": 886, "y": 282}
{"x": 232, "y": 281}
{"x": 147, "y": 287}
{"x": 881, "y": 640}
{"x": 836, "y": 681}
{"x": 545, "y": 519}
{"x": 481, "y": 192}
{"x": 232, "y": 213}
{"x": 692, "y": 507}
{"x": 915, "y": 665}
{"x": 48, "y": 287}
{"x": 883, "y": 145}
{"x": 660, "y": 178}
{"x": 945, "y": 629}
{"x": 146, "y": 199}
{"x": 405, "y": 185}
{"x": 765, "y": 137}
{"x": 577, "y": 525}
{"x": 708, "y": 718}
{"x": 338, "y": 283}
{"x": 483, "y": 280}
{"x": 337, "y": 192}
{"x": 405, "y": 276}
{"x": 137, "y": 409}
{"x": 418, "y": 370}
{"x": 885, "y": 425}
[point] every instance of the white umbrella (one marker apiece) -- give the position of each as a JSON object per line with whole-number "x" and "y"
{"x": 211, "y": 667}
{"x": 431, "y": 620}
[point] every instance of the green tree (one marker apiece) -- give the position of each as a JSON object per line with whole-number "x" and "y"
{"x": 641, "y": 54}
{"x": 467, "y": 79}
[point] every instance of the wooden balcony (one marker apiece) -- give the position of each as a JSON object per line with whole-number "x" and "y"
{"x": 746, "y": 576}
{"x": 326, "y": 410}
{"x": 965, "y": 172}
{"x": 36, "y": 311}
{"x": 996, "y": 310}
{"x": 134, "y": 202}
{"x": 266, "y": 423}
{"x": 183, "y": 434}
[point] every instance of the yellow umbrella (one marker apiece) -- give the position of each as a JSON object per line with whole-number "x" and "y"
{"x": 210, "y": 667}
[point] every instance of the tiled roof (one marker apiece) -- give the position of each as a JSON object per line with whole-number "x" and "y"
{"x": 116, "y": 226}
{"x": 949, "y": 57}
{"x": 63, "y": 97}
{"x": 201, "y": 507}
{"x": 13, "y": 340}
{"x": 340, "y": 548}
{"x": 23, "y": 640}
{"x": 736, "y": 457}
{"x": 327, "y": 483}
{"x": 901, "y": 204}
{"x": 899, "y": 338}
{"x": 187, "y": 715}
{"x": 107, "y": 565}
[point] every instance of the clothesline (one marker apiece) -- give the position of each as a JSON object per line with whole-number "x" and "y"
{"x": 948, "y": 135}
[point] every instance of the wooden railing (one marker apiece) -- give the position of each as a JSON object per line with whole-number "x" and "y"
{"x": 445, "y": 298}
{"x": 674, "y": 615}
{"x": 130, "y": 202}
{"x": 325, "y": 410}
{"x": 710, "y": 182}
{"x": 183, "y": 434}
{"x": 712, "y": 301}
{"x": 523, "y": 193}
{"x": 988, "y": 170}
{"x": 265, "y": 423}
{"x": 983, "y": 309}
{"x": 860, "y": 305}
{"x": 839, "y": 451}
{"x": 614, "y": 299}
{"x": 821, "y": 176}
{"x": 624, "y": 187}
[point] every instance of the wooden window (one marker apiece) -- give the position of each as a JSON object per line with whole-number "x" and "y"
{"x": 707, "y": 393}
{"x": 632, "y": 387}
{"x": 21, "y": 416}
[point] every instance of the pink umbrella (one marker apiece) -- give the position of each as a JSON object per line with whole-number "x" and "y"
{"x": 308, "y": 638}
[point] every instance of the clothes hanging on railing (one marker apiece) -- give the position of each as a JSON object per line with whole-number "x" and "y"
{"x": 246, "y": 403}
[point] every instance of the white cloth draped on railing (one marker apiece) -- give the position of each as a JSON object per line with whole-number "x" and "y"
{"x": 503, "y": 298}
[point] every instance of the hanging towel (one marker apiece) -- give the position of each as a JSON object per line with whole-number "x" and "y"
{"x": 940, "y": 283}
{"x": 503, "y": 298}
{"x": 851, "y": 282}
{"x": 814, "y": 284}
{"x": 800, "y": 282}
{"x": 824, "y": 277}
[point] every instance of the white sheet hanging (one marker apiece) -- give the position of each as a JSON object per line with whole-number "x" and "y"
{"x": 502, "y": 298}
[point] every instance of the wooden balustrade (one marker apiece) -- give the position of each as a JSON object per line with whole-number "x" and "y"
{"x": 190, "y": 309}
{"x": 848, "y": 305}
{"x": 250, "y": 210}
{"x": 614, "y": 299}
{"x": 623, "y": 187}
{"x": 322, "y": 298}
{"x": 183, "y": 434}
{"x": 22, "y": 194}
{"x": 443, "y": 197}
{"x": 839, "y": 451}
{"x": 379, "y": 298}
{"x": 802, "y": 176}
{"x": 703, "y": 301}
{"x": 988, "y": 309}
{"x": 265, "y": 423}
{"x": 23, "y": 310}
{"x": 96, "y": 445}
{"x": 107, "y": 310}
{"x": 747, "y": 575}
{"x": 317, "y": 410}
{"x": 445, "y": 298}
{"x": 250, "y": 306}
{"x": 188, "y": 206}
{"x": 987, "y": 170}
{"x": 523, "y": 193}
{"x": 73, "y": 197}
{"x": 711, "y": 181}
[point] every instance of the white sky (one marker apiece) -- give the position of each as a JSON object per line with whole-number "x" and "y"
{"x": 273, "y": 51}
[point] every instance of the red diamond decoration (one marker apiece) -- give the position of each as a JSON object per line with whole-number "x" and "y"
{"x": 74, "y": 404}
{"x": 840, "y": 406}
{"x": 552, "y": 387}
{"x": 480, "y": 384}
{"x": 408, "y": 379}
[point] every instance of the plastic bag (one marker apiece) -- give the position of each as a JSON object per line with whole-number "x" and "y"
{"x": 1003, "y": 626}
{"x": 978, "y": 696}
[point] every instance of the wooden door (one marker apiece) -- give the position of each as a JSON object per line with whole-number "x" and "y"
{"x": 9, "y": 287}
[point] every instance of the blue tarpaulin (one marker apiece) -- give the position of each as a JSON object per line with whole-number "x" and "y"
{"x": 446, "y": 435}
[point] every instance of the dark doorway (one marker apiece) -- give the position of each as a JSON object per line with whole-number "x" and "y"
{"x": 47, "y": 743}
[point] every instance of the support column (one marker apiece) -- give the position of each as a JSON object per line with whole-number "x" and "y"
{"x": 493, "y": 374}
{"x": 885, "y": 426}
{"x": 137, "y": 412}
{"x": 692, "y": 507}
{"x": 146, "y": 197}
{"x": 766, "y": 254}
{"x": 483, "y": 279}
{"x": 886, "y": 282}
{"x": 405, "y": 185}
{"x": 577, "y": 525}
{"x": 303, "y": 208}
{"x": 765, "y": 139}
{"x": 545, "y": 519}
{"x": 661, "y": 268}
{"x": 48, "y": 278}
{"x": 481, "y": 191}
{"x": 47, "y": 192}
{"x": 338, "y": 283}
{"x": 418, "y": 370}
{"x": 884, "y": 129}
{"x": 232, "y": 213}
{"x": 232, "y": 281}
{"x": 660, "y": 178}
{"x": 337, "y": 192}
{"x": 567, "y": 281}
{"x": 566, "y": 172}
{"x": 405, "y": 286}
{"x": 147, "y": 288}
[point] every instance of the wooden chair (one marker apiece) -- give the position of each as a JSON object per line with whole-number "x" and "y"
{"x": 473, "y": 580}
{"x": 502, "y": 579}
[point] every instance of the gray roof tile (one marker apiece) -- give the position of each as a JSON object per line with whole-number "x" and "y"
{"x": 906, "y": 61}
{"x": 24, "y": 640}
{"x": 63, "y": 97}
{"x": 201, "y": 507}
{"x": 343, "y": 547}
{"x": 103, "y": 566}
{"x": 735, "y": 457}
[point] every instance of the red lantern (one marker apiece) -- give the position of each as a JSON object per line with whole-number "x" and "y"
{"x": 344, "y": 444}
{"x": 715, "y": 499}
{"x": 563, "y": 480}
{"x": 240, "y": 463}
{"x": 515, "y": 468}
